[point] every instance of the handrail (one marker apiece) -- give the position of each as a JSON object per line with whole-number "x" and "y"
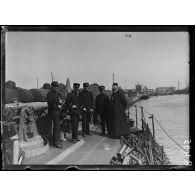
{"x": 162, "y": 128}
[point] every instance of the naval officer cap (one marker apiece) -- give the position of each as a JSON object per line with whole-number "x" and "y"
{"x": 76, "y": 85}
{"x": 54, "y": 84}
{"x": 101, "y": 87}
{"x": 85, "y": 84}
{"x": 116, "y": 84}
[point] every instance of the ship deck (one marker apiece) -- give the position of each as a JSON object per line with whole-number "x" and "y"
{"x": 90, "y": 150}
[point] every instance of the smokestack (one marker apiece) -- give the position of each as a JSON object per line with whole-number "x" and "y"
{"x": 178, "y": 85}
{"x": 52, "y": 77}
{"x": 113, "y": 77}
{"x": 37, "y": 82}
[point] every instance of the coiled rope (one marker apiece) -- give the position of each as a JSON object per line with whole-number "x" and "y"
{"x": 164, "y": 130}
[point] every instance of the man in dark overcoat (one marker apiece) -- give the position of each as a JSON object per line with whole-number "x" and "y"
{"x": 101, "y": 108}
{"x": 117, "y": 125}
{"x": 87, "y": 108}
{"x": 54, "y": 107}
{"x": 74, "y": 104}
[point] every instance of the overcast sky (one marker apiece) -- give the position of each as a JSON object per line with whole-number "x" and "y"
{"x": 150, "y": 58}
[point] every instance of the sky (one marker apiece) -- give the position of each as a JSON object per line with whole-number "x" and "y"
{"x": 154, "y": 59}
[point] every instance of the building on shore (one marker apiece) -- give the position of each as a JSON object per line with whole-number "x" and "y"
{"x": 138, "y": 88}
{"x": 165, "y": 90}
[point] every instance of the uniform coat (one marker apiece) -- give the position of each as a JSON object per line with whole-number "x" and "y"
{"x": 86, "y": 99}
{"x": 117, "y": 124}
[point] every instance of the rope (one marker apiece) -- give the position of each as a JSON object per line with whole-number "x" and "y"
{"x": 146, "y": 111}
{"x": 175, "y": 123}
{"x": 168, "y": 135}
{"x": 165, "y": 131}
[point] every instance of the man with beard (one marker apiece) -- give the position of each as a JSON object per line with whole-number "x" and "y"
{"x": 117, "y": 118}
{"x": 54, "y": 107}
{"x": 74, "y": 103}
{"x": 87, "y": 108}
{"x": 101, "y": 108}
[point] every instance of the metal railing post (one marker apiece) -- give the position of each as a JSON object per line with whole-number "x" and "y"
{"x": 142, "y": 117}
{"x": 136, "y": 115}
{"x": 153, "y": 130}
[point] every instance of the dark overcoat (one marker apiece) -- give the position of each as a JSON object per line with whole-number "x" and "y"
{"x": 101, "y": 105}
{"x": 53, "y": 102}
{"x": 117, "y": 123}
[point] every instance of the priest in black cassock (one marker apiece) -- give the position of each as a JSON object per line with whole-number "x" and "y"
{"x": 117, "y": 123}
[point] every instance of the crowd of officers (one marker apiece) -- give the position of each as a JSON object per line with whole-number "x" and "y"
{"x": 78, "y": 103}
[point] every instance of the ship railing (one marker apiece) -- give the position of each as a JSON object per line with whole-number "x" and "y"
{"x": 145, "y": 126}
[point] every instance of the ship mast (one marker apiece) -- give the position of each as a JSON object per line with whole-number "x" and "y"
{"x": 37, "y": 82}
{"x": 113, "y": 77}
{"x": 52, "y": 77}
{"x": 178, "y": 85}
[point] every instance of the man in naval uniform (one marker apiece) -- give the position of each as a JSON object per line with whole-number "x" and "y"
{"x": 74, "y": 103}
{"x": 87, "y": 108}
{"x": 101, "y": 108}
{"x": 54, "y": 107}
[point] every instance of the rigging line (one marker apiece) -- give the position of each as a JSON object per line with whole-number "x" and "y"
{"x": 147, "y": 111}
{"x": 168, "y": 134}
{"x": 165, "y": 131}
{"x": 167, "y": 119}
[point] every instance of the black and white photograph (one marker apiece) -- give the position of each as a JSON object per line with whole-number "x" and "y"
{"x": 106, "y": 98}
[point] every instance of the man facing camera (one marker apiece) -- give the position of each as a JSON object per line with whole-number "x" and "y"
{"x": 101, "y": 108}
{"x": 87, "y": 108}
{"x": 54, "y": 107}
{"x": 74, "y": 103}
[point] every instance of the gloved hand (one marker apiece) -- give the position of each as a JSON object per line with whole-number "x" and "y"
{"x": 59, "y": 106}
{"x": 74, "y": 106}
{"x": 84, "y": 109}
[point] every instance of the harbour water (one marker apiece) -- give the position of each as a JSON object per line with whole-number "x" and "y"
{"x": 172, "y": 111}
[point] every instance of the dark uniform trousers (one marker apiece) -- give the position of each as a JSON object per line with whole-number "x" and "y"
{"x": 56, "y": 129}
{"x": 85, "y": 122}
{"x": 103, "y": 123}
{"x": 74, "y": 124}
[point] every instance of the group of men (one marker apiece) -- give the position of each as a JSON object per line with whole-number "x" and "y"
{"x": 80, "y": 103}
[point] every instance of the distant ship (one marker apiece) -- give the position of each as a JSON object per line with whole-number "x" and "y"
{"x": 144, "y": 97}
